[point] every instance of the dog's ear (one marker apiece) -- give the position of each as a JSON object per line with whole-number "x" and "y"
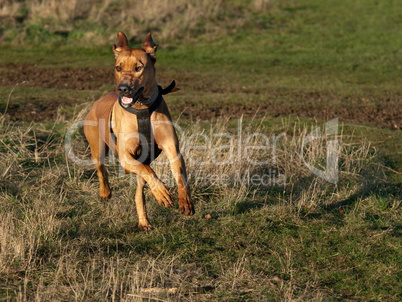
{"x": 122, "y": 40}
{"x": 121, "y": 43}
{"x": 150, "y": 47}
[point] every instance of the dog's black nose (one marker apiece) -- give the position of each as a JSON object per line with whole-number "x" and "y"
{"x": 123, "y": 89}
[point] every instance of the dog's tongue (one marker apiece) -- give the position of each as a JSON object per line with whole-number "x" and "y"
{"x": 125, "y": 100}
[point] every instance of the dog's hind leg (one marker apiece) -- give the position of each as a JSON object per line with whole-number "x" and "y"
{"x": 95, "y": 137}
{"x": 143, "y": 222}
{"x": 104, "y": 189}
{"x": 179, "y": 173}
{"x": 98, "y": 152}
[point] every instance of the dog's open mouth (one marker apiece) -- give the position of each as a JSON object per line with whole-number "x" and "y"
{"x": 128, "y": 101}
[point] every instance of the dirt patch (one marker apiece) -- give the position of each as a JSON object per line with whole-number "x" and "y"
{"x": 389, "y": 116}
{"x": 78, "y": 79}
{"x": 383, "y": 113}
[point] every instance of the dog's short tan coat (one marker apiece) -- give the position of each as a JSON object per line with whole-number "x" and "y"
{"x": 134, "y": 69}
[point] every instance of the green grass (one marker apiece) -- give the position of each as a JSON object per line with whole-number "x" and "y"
{"x": 308, "y": 241}
{"x": 50, "y": 56}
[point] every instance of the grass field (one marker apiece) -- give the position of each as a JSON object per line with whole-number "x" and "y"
{"x": 252, "y": 69}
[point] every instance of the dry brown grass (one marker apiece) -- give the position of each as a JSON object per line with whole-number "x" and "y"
{"x": 51, "y": 249}
{"x": 169, "y": 19}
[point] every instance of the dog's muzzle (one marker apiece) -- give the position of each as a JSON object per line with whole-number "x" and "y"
{"x": 126, "y": 98}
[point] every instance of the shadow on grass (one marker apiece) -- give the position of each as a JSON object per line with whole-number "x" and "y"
{"x": 247, "y": 206}
{"x": 382, "y": 189}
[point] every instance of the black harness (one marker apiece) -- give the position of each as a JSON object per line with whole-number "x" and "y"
{"x": 149, "y": 150}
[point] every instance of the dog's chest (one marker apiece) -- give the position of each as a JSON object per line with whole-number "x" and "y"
{"x": 135, "y": 134}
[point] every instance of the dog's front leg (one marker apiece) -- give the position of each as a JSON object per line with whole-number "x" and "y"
{"x": 179, "y": 173}
{"x": 158, "y": 189}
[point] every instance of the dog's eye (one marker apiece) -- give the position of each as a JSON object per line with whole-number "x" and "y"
{"x": 138, "y": 68}
{"x": 118, "y": 68}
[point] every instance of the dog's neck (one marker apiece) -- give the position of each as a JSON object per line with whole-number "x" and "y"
{"x": 147, "y": 98}
{"x": 151, "y": 99}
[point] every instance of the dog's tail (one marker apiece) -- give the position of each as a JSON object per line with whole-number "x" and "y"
{"x": 171, "y": 88}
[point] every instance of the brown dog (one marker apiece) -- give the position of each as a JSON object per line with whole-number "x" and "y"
{"x": 113, "y": 123}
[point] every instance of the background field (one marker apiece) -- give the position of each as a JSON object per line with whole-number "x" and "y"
{"x": 275, "y": 67}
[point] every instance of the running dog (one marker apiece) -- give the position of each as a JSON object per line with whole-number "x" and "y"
{"x": 134, "y": 122}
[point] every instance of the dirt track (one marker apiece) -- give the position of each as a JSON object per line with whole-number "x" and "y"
{"x": 386, "y": 113}
{"x": 80, "y": 79}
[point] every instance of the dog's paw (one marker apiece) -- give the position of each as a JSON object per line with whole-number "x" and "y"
{"x": 162, "y": 195}
{"x": 105, "y": 194}
{"x": 144, "y": 225}
{"x": 186, "y": 207}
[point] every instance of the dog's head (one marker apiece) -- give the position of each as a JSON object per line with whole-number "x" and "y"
{"x": 134, "y": 69}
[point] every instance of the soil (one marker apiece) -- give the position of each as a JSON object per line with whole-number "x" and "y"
{"x": 388, "y": 117}
{"x": 79, "y": 79}
{"x": 386, "y": 113}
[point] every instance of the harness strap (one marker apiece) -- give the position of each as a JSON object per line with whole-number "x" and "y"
{"x": 144, "y": 123}
{"x": 112, "y": 135}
